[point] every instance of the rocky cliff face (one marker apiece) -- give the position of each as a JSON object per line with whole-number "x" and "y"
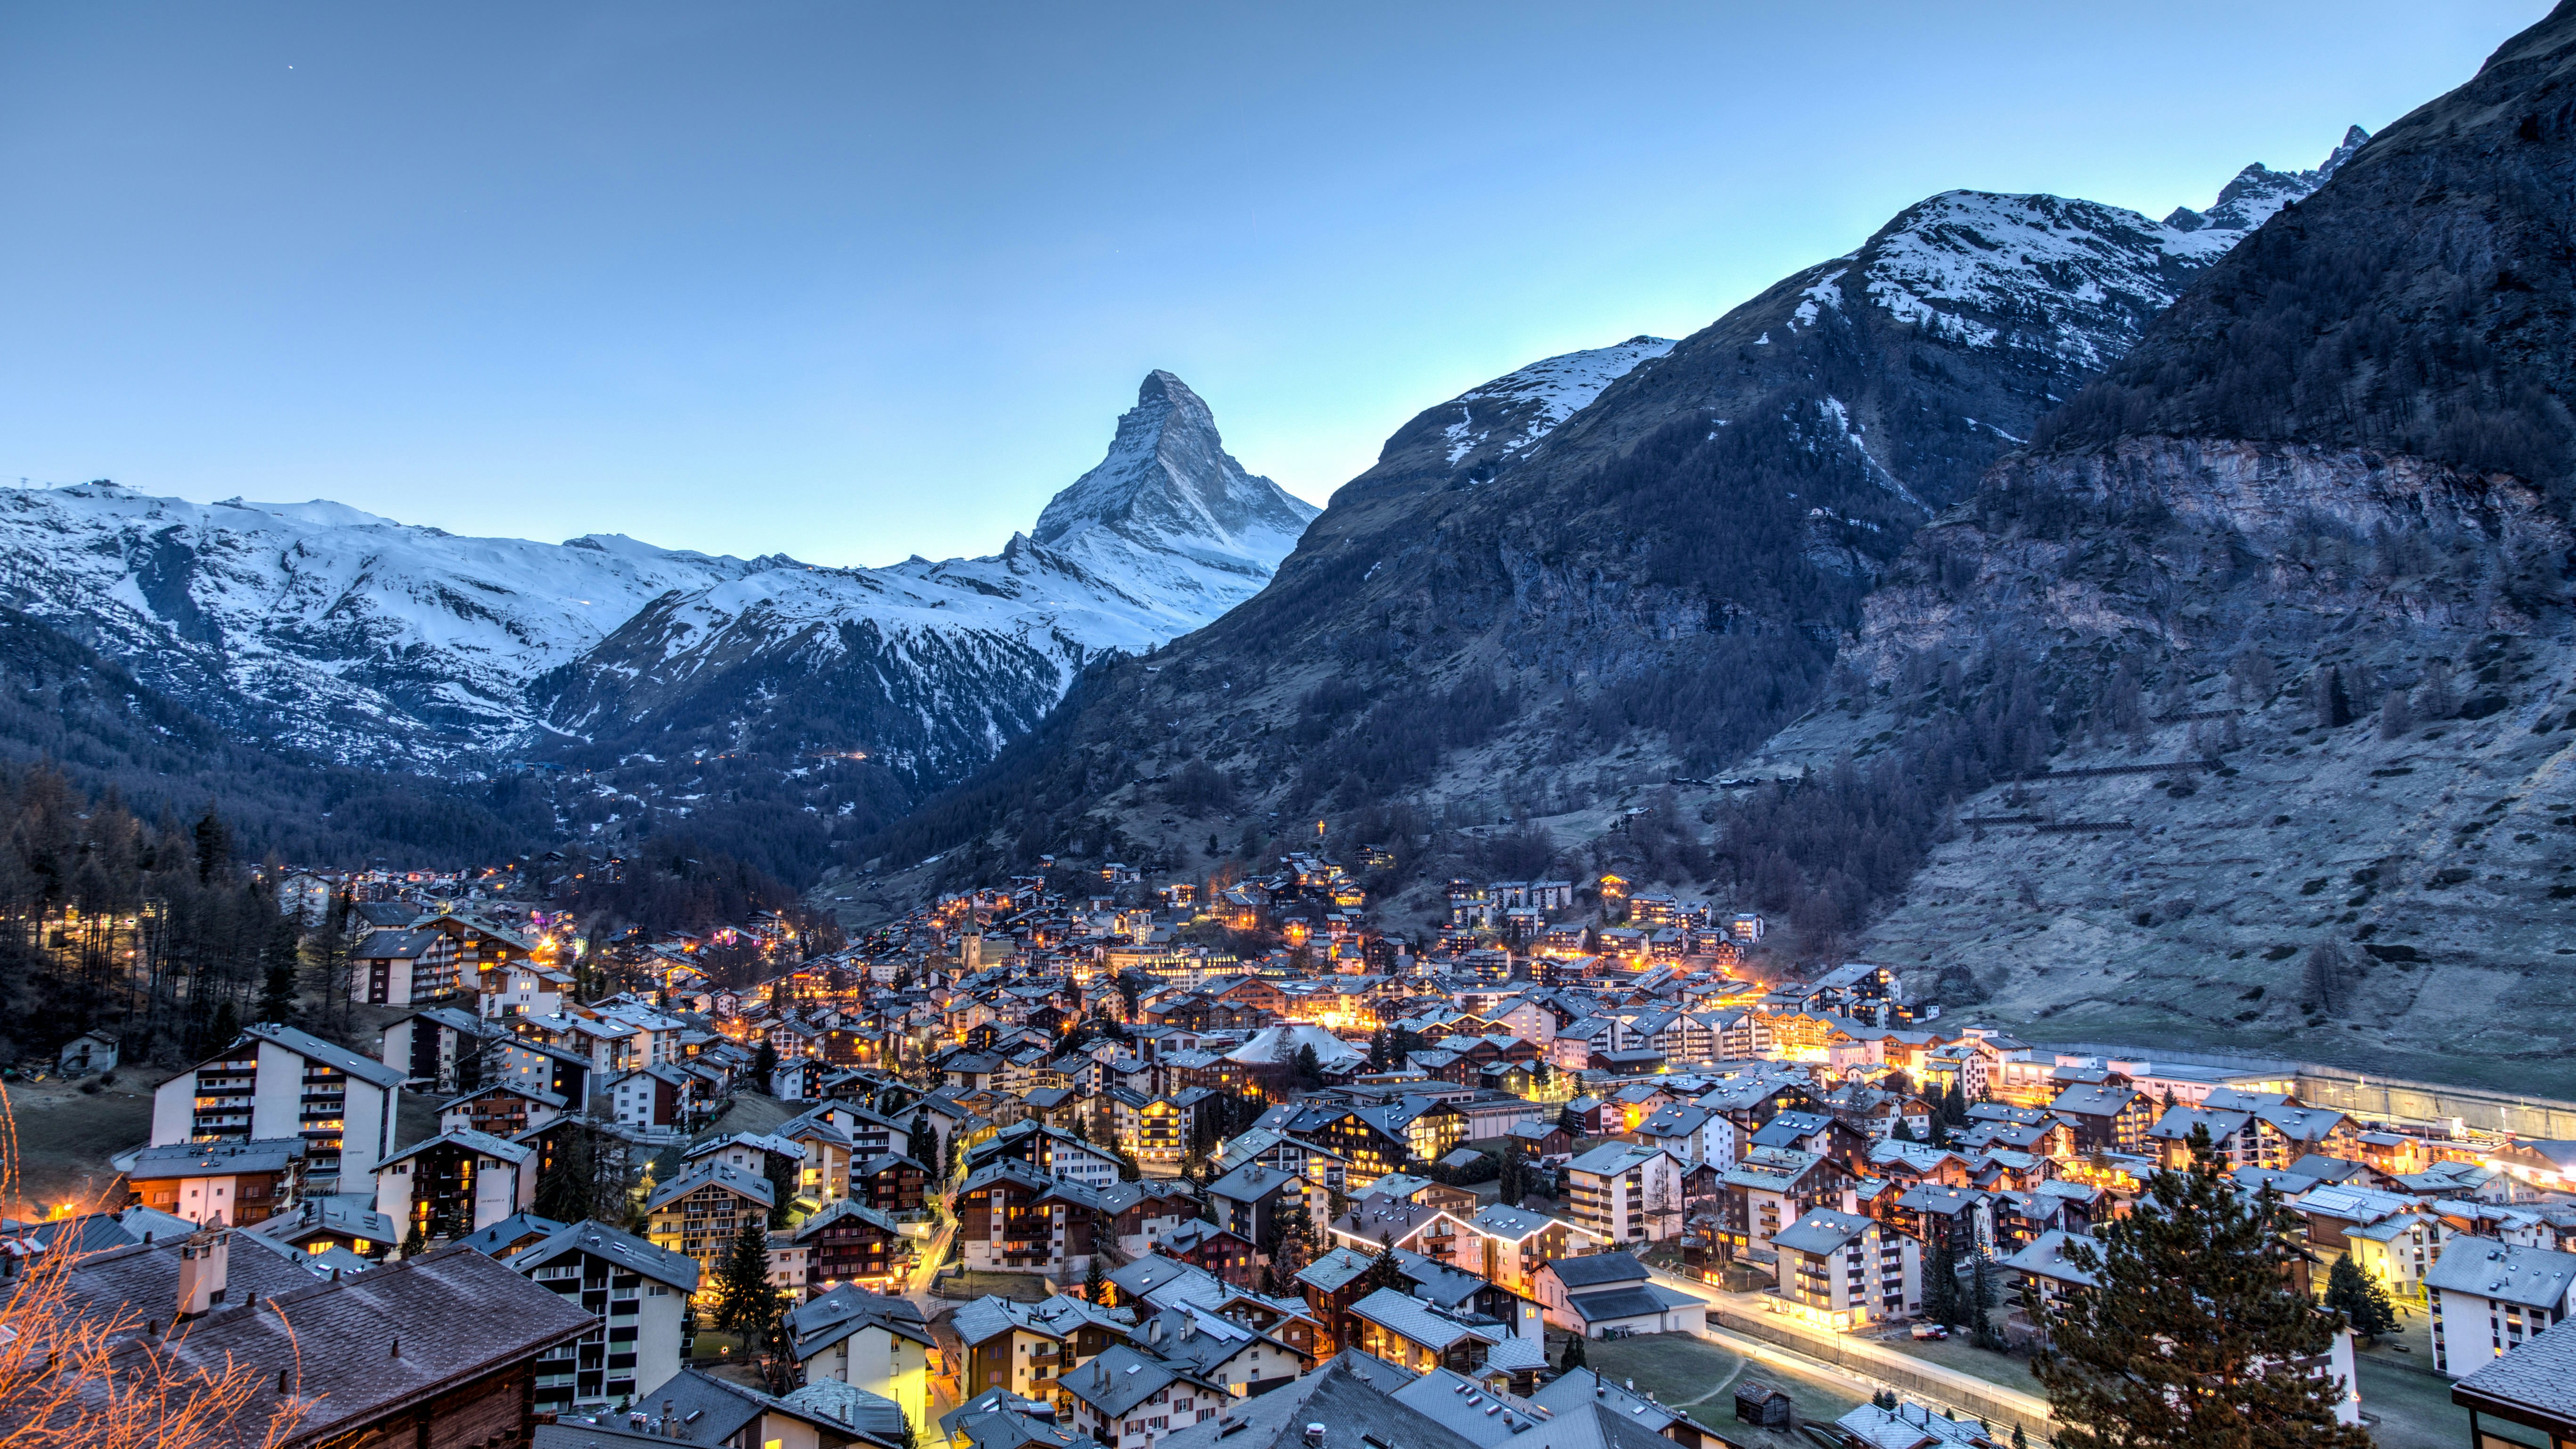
{"x": 1634, "y": 560}
{"x": 2307, "y": 548}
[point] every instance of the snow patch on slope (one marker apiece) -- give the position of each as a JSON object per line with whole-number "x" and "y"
{"x": 1533, "y": 401}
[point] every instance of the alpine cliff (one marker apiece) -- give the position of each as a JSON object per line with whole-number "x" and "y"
{"x": 1622, "y": 564}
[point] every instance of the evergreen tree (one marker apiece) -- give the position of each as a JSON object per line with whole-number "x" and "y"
{"x": 2021, "y": 1438}
{"x": 1296, "y": 1246}
{"x": 2359, "y": 1298}
{"x": 1310, "y": 1068}
{"x": 1941, "y": 1297}
{"x": 1573, "y": 1358}
{"x": 2190, "y": 1334}
{"x": 1095, "y": 1283}
{"x": 745, "y": 1301}
{"x": 782, "y": 1187}
{"x": 214, "y": 846}
{"x": 415, "y": 1242}
{"x": 1904, "y": 1130}
{"x": 763, "y": 1063}
{"x": 277, "y": 983}
{"x": 1984, "y": 1293}
{"x": 922, "y": 1143}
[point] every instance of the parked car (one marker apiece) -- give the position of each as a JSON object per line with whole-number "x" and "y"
{"x": 1923, "y": 1331}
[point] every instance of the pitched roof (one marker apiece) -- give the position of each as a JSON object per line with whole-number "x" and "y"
{"x": 722, "y": 1174}
{"x": 2532, "y": 1277}
{"x": 1411, "y": 1318}
{"x": 2540, "y": 1375}
{"x": 1597, "y": 1269}
{"x": 1119, "y": 1379}
{"x": 401, "y": 1335}
{"x": 822, "y": 1321}
{"x": 1822, "y": 1230}
{"x": 365, "y": 1069}
{"x": 617, "y": 1246}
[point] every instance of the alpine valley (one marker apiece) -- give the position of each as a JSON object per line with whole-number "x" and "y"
{"x": 2131, "y": 629}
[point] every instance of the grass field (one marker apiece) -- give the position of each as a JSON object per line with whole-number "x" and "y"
{"x": 64, "y": 1137}
{"x": 1699, "y": 1378}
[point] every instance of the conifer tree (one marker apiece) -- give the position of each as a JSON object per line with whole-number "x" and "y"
{"x": 2359, "y": 1298}
{"x": 745, "y": 1301}
{"x": 1095, "y": 1283}
{"x": 2190, "y": 1333}
{"x": 1573, "y": 1358}
{"x": 922, "y": 1144}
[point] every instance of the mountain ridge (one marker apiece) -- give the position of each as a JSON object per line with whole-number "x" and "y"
{"x": 1707, "y": 520}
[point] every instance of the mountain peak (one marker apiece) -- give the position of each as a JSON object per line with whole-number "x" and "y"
{"x": 1168, "y": 485}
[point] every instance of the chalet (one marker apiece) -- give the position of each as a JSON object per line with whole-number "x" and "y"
{"x": 1413, "y": 1334}
{"x": 471, "y": 1333}
{"x": 1125, "y": 1399}
{"x": 2106, "y": 1118}
{"x": 866, "y": 1340}
{"x": 504, "y": 1110}
{"x": 456, "y": 1182}
{"x": 850, "y": 1242}
{"x": 1250, "y": 1200}
{"x": 700, "y": 1212}
{"x": 220, "y": 1184}
{"x": 890, "y": 1183}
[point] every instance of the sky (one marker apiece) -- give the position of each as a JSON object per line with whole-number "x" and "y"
{"x": 852, "y": 282}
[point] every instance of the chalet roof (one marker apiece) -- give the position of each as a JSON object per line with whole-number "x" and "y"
{"x": 2045, "y": 1257}
{"x": 842, "y": 1210}
{"x": 1597, "y": 1270}
{"x": 1822, "y": 1231}
{"x": 1419, "y": 1322}
{"x": 623, "y": 1249}
{"x": 314, "y": 1048}
{"x": 2504, "y": 1272}
{"x": 401, "y": 1334}
{"x": 2539, "y": 1377}
{"x": 725, "y": 1175}
{"x": 200, "y": 1159}
{"x": 1252, "y": 1182}
{"x": 469, "y": 1140}
{"x": 510, "y": 1234}
{"x": 828, "y": 1318}
{"x": 1119, "y": 1379}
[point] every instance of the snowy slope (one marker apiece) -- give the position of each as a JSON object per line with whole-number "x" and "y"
{"x": 1505, "y": 416}
{"x": 323, "y": 627}
{"x": 933, "y": 666}
{"x": 2074, "y": 278}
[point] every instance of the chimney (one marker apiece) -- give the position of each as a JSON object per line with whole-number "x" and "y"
{"x": 670, "y": 1421}
{"x": 204, "y": 1260}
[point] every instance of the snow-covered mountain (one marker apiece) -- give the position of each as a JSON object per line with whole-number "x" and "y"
{"x": 931, "y": 667}
{"x": 1501, "y": 419}
{"x": 370, "y": 641}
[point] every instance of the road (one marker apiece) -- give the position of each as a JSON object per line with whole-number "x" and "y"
{"x": 1851, "y": 1377}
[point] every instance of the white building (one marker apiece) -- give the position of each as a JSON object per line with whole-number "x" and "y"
{"x": 638, "y": 1293}
{"x": 1624, "y": 1194}
{"x": 2490, "y": 1298}
{"x": 275, "y": 1081}
{"x": 1843, "y": 1270}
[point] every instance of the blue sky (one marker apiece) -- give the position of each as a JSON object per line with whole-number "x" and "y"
{"x": 852, "y": 282}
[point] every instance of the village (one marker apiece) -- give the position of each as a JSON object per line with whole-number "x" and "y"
{"x": 1090, "y": 1155}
